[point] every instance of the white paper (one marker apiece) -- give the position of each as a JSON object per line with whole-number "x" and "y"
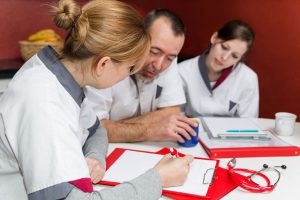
{"x": 132, "y": 164}
{"x": 219, "y": 126}
{"x": 212, "y": 143}
{"x": 217, "y": 143}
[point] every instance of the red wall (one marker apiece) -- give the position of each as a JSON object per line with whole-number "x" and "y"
{"x": 274, "y": 56}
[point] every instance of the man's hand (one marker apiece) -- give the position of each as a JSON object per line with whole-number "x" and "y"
{"x": 96, "y": 169}
{"x": 173, "y": 128}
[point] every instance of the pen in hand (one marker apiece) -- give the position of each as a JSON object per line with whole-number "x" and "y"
{"x": 174, "y": 152}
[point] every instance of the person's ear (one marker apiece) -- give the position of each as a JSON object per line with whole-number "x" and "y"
{"x": 101, "y": 65}
{"x": 214, "y": 38}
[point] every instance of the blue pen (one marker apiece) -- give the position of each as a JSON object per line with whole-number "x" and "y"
{"x": 242, "y": 131}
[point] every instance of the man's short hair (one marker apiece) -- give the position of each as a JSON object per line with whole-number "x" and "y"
{"x": 177, "y": 24}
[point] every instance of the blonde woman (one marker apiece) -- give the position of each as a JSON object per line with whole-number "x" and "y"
{"x": 51, "y": 143}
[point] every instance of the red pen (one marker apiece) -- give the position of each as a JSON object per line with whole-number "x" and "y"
{"x": 174, "y": 152}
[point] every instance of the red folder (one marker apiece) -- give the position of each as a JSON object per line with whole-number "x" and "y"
{"x": 238, "y": 152}
{"x": 222, "y": 183}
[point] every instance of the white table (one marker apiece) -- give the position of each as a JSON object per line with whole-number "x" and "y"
{"x": 288, "y": 186}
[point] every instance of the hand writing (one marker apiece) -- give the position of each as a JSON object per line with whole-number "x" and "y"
{"x": 96, "y": 169}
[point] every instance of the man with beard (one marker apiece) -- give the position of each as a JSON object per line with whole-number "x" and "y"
{"x": 146, "y": 106}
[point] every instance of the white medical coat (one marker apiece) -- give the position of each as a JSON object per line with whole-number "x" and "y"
{"x": 130, "y": 97}
{"x": 236, "y": 96}
{"x": 44, "y": 123}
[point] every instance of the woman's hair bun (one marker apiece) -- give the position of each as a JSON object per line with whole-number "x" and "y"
{"x": 66, "y": 14}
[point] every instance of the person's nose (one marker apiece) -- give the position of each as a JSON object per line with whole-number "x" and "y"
{"x": 158, "y": 64}
{"x": 225, "y": 56}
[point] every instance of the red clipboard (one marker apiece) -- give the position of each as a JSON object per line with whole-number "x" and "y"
{"x": 221, "y": 185}
{"x": 238, "y": 152}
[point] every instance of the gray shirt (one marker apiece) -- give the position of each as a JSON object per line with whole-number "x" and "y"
{"x": 145, "y": 187}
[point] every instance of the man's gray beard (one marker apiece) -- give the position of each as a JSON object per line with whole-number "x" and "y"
{"x": 144, "y": 79}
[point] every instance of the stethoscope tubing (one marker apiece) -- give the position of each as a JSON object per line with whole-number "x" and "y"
{"x": 246, "y": 182}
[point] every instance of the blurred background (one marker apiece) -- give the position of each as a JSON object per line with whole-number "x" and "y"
{"x": 274, "y": 56}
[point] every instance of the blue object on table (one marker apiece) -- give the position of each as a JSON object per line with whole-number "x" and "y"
{"x": 193, "y": 141}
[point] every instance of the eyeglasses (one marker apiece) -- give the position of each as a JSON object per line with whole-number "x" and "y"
{"x": 263, "y": 180}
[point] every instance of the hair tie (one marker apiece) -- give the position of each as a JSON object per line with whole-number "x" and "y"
{"x": 76, "y": 19}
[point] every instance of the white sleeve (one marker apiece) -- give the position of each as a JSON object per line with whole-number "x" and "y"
{"x": 172, "y": 93}
{"x": 249, "y": 104}
{"x": 100, "y": 100}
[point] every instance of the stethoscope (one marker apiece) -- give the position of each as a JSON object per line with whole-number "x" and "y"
{"x": 247, "y": 183}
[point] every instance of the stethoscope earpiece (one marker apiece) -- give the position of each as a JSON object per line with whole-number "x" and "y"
{"x": 267, "y": 166}
{"x": 283, "y": 166}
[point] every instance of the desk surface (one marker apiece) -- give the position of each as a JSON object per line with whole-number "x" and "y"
{"x": 288, "y": 186}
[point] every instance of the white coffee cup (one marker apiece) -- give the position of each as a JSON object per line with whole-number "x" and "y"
{"x": 285, "y": 123}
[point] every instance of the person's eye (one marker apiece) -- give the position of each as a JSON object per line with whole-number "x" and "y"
{"x": 171, "y": 59}
{"x": 224, "y": 47}
{"x": 235, "y": 56}
{"x": 155, "y": 52}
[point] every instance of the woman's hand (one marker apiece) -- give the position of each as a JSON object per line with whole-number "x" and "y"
{"x": 173, "y": 171}
{"x": 96, "y": 169}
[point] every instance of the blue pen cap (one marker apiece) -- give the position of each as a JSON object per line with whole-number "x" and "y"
{"x": 194, "y": 139}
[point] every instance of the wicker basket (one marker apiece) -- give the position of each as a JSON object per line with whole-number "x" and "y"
{"x": 28, "y": 49}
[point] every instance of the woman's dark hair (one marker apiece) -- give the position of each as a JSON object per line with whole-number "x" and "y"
{"x": 237, "y": 29}
{"x": 177, "y": 24}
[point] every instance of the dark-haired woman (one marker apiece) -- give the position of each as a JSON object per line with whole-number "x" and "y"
{"x": 218, "y": 83}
